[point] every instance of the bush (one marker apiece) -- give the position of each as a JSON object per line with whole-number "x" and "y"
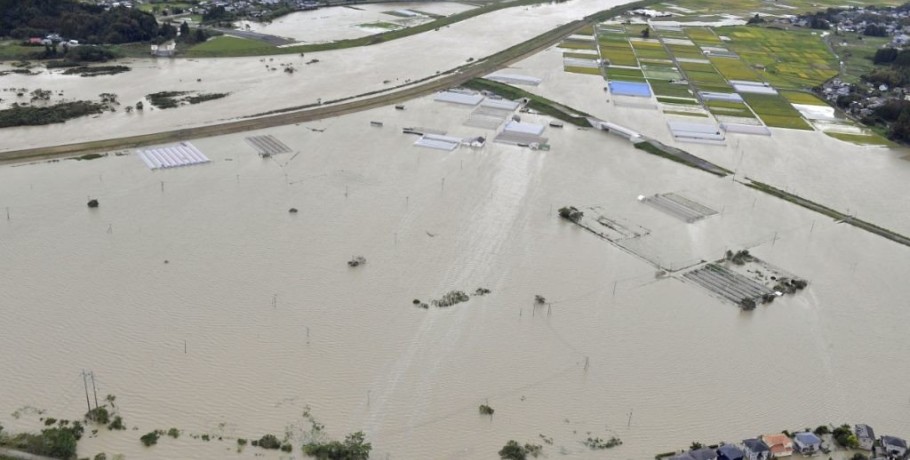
{"x": 98, "y": 415}
{"x": 59, "y": 113}
{"x": 241, "y": 442}
{"x": 451, "y": 298}
{"x": 286, "y": 447}
{"x": 570, "y": 213}
{"x": 174, "y": 433}
{"x": 599, "y": 444}
{"x": 52, "y": 442}
{"x": 353, "y": 448}
{"x": 269, "y": 441}
{"x": 486, "y": 410}
{"x": 149, "y": 439}
{"x": 513, "y": 451}
{"x": 844, "y": 437}
{"x": 116, "y": 424}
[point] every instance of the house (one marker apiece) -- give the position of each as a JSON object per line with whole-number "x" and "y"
{"x": 730, "y": 452}
{"x": 865, "y": 435}
{"x": 807, "y": 442}
{"x": 779, "y": 444}
{"x": 756, "y": 449}
{"x": 698, "y": 454}
{"x": 894, "y": 446}
{"x": 705, "y": 453}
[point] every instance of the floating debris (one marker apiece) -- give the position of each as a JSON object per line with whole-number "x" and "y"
{"x": 357, "y": 261}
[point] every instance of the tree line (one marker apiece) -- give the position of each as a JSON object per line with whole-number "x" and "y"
{"x": 74, "y": 20}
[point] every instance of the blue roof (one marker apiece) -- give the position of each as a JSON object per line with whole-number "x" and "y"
{"x": 630, "y": 88}
{"x": 807, "y": 438}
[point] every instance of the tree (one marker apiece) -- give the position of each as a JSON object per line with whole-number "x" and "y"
{"x": 167, "y": 31}
{"x": 875, "y": 30}
{"x": 844, "y": 437}
{"x": 150, "y": 439}
{"x": 200, "y": 36}
{"x": 58, "y": 443}
{"x": 696, "y": 445}
{"x": 184, "y": 30}
{"x": 353, "y": 448}
{"x": 513, "y": 451}
{"x": 755, "y": 19}
{"x": 645, "y": 33}
{"x": 822, "y": 429}
{"x": 884, "y": 56}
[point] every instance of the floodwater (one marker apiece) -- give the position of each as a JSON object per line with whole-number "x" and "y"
{"x": 255, "y": 90}
{"x": 868, "y": 182}
{"x": 337, "y": 23}
{"x": 274, "y": 320}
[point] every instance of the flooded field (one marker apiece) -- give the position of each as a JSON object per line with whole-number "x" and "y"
{"x": 337, "y": 23}
{"x": 254, "y": 89}
{"x": 274, "y": 320}
{"x": 807, "y": 163}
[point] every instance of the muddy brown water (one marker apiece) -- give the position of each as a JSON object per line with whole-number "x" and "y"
{"x": 245, "y": 281}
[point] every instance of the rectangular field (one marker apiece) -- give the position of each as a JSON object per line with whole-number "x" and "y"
{"x": 775, "y": 111}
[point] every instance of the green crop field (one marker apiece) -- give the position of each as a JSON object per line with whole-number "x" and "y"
{"x": 791, "y": 59}
{"x": 151, "y": 7}
{"x": 702, "y": 36}
{"x": 577, "y": 45}
{"x": 735, "y": 69}
{"x": 775, "y": 111}
{"x": 707, "y": 10}
{"x": 652, "y": 54}
{"x": 857, "y": 52}
{"x": 591, "y": 56}
{"x": 686, "y": 51}
{"x": 582, "y": 70}
{"x": 229, "y": 46}
{"x": 798, "y": 97}
{"x": 614, "y": 73}
{"x": 618, "y": 53}
{"x": 861, "y": 139}
{"x": 661, "y": 72}
{"x": 706, "y": 79}
{"x": 729, "y": 108}
{"x": 663, "y": 88}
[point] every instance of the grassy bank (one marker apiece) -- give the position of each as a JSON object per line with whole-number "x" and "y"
{"x": 681, "y": 156}
{"x": 538, "y": 103}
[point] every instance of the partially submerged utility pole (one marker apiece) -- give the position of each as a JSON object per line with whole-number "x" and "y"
{"x": 85, "y": 385}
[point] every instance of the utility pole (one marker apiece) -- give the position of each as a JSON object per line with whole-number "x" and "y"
{"x": 85, "y": 385}
{"x": 94, "y": 390}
